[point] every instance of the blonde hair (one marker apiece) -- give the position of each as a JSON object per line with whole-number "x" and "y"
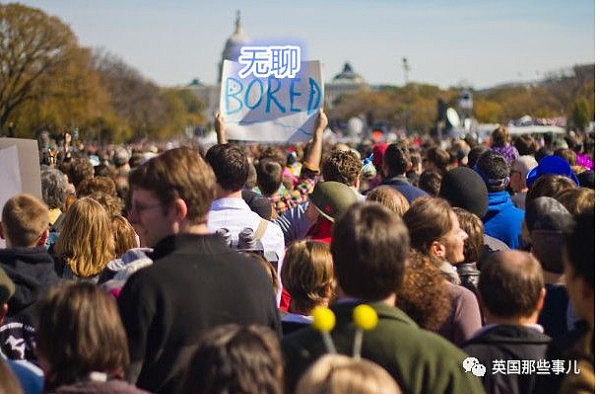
{"x": 576, "y": 200}
{"x": 24, "y": 219}
{"x": 86, "y": 240}
{"x": 307, "y": 274}
{"x": 335, "y": 373}
{"x": 389, "y": 198}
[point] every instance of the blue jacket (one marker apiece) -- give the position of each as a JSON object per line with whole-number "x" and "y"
{"x": 503, "y": 220}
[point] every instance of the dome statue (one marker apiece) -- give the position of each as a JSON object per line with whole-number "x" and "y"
{"x": 233, "y": 44}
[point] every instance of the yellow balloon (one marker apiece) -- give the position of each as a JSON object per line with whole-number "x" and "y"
{"x": 365, "y": 317}
{"x": 323, "y": 319}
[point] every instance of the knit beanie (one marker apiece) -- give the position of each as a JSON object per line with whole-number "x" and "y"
{"x": 464, "y": 188}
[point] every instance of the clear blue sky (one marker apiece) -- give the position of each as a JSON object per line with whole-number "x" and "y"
{"x": 481, "y": 43}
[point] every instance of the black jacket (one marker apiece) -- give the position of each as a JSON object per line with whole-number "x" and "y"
{"x": 553, "y": 316}
{"x": 32, "y": 271}
{"x": 469, "y": 276}
{"x": 507, "y": 342}
{"x": 195, "y": 283}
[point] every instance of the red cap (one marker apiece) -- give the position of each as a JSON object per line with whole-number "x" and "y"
{"x": 378, "y": 152}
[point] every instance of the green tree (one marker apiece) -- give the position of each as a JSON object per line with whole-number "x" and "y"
{"x": 147, "y": 110}
{"x": 68, "y": 98}
{"x": 580, "y": 117}
{"x": 487, "y": 111}
{"x": 33, "y": 47}
{"x": 194, "y": 107}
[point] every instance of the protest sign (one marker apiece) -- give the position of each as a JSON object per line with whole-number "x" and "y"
{"x": 271, "y": 109}
{"x": 19, "y": 169}
{"x": 10, "y": 177}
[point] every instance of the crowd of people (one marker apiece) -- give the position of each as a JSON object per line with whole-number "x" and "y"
{"x": 194, "y": 270}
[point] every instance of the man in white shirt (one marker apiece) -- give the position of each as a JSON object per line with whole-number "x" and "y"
{"x": 230, "y": 211}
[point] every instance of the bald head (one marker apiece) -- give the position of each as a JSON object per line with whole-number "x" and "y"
{"x": 510, "y": 284}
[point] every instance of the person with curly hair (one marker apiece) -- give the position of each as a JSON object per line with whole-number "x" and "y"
{"x": 422, "y": 295}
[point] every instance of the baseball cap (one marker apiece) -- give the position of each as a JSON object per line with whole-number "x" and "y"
{"x": 551, "y": 165}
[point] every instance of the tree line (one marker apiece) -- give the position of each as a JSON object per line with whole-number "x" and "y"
{"x": 49, "y": 82}
{"x": 568, "y": 93}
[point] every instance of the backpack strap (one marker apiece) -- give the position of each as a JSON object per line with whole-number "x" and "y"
{"x": 261, "y": 229}
{"x": 58, "y": 222}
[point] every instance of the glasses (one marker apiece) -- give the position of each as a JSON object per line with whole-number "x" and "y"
{"x": 138, "y": 208}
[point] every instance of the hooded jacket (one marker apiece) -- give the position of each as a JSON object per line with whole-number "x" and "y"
{"x": 503, "y": 343}
{"x": 503, "y": 220}
{"x": 32, "y": 271}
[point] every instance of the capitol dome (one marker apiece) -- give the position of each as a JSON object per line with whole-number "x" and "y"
{"x": 233, "y": 44}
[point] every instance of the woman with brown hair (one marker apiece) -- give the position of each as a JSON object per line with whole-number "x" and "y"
{"x": 468, "y": 269}
{"x": 435, "y": 231}
{"x": 86, "y": 242}
{"x": 81, "y": 342}
{"x": 307, "y": 275}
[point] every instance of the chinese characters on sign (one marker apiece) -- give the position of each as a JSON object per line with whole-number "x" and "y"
{"x": 277, "y": 61}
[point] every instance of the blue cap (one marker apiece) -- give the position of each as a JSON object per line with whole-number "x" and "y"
{"x": 554, "y": 165}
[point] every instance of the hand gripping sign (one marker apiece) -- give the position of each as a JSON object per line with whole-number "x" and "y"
{"x": 273, "y": 108}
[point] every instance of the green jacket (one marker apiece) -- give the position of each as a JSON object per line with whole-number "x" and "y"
{"x": 419, "y": 360}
